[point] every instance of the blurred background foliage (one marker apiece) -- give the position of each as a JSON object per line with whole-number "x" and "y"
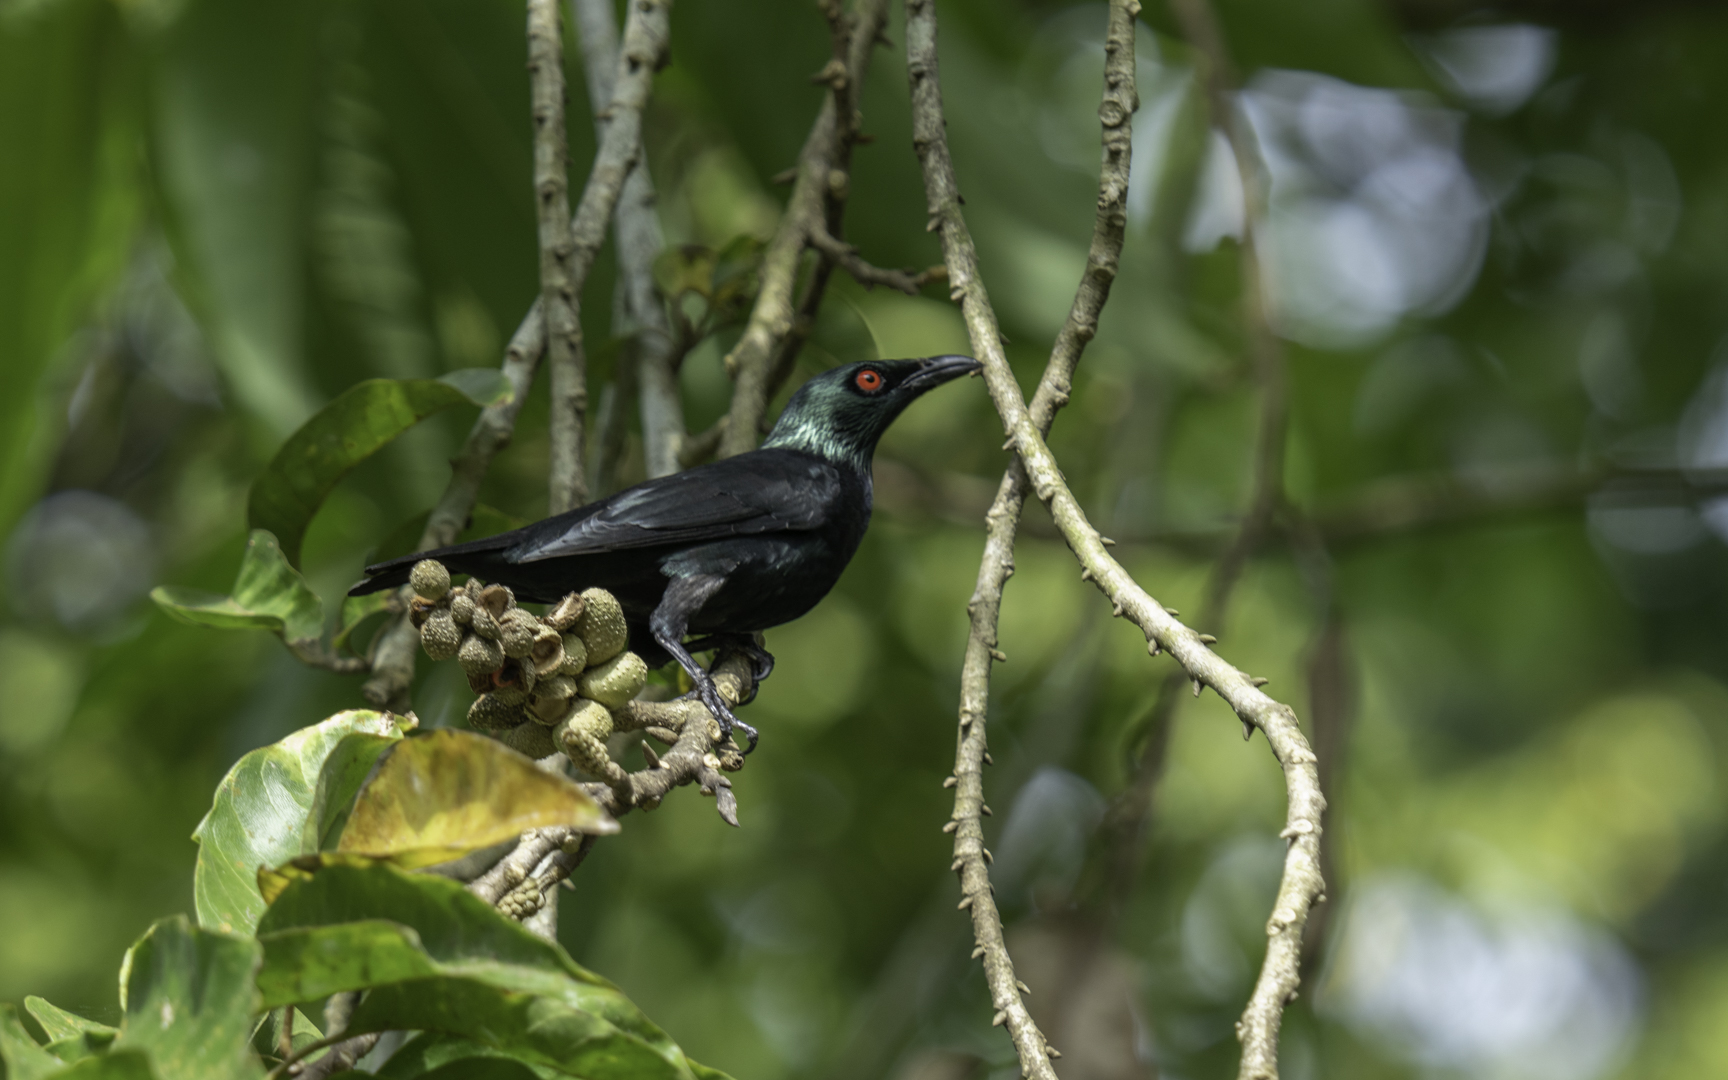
{"x": 1496, "y": 249}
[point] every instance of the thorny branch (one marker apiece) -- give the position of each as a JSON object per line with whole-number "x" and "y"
{"x": 1267, "y": 496}
{"x": 1301, "y": 884}
{"x": 646, "y": 34}
{"x": 636, "y": 230}
{"x": 762, "y": 359}
{"x": 1120, "y": 99}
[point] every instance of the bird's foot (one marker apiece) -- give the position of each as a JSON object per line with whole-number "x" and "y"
{"x": 761, "y": 660}
{"x": 709, "y": 694}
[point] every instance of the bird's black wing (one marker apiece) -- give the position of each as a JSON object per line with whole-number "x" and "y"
{"x": 765, "y": 491}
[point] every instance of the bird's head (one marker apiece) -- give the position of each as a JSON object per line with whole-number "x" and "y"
{"x": 839, "y": 414}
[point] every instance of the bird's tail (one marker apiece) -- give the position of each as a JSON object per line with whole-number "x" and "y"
{"x": 475, "y": 557}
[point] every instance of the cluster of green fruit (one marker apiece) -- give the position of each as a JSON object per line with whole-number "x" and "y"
{"x": 545, "y": 683}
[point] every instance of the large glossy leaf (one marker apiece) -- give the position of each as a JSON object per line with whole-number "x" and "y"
{"x": 23, "y": 1058}
{"x": 359, "y": 423}
{"x": 437, "y": 958}
{"x": 269, "y": 594}
{"x": 60, "y": 1024}
{"x": 190, "y": 996}
{"x": 260, "y": 813}
{"x": 441, "y": 795}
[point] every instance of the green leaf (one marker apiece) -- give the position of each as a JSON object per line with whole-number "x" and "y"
{"x": 437, "y": 958}
{"x": 359, "y": 423}
{"x": 532, "y": 1028}
{"x": 60, "y": 1024}
{"x": 24, "y": 1059}
{"x": 686, "y": 268}
{"x": 79, "y": 1047}
{"x": 435, "y": 1056}
{"x": 736, "y": 269}
{"x": 356, "y": 610}
{"x": 119, "y": 1065}
{"x": 189, "y": 996}
{"x": 443, "y": 794}
{"x": 260, "y": 813}
{"x": 232, "y": 151}
{"x": 269, "y": 595}
{"x": 267, "y": 1036}
{"x": 70, "y": 117}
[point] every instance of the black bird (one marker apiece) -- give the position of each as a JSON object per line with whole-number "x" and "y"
{"x": 725, "y": 549}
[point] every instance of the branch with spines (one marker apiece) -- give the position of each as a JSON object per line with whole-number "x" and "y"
{"x": 971, "y": 858}
{"x": 1267, "y": 500}
{"x": 762, "y": 359}
{"x": 1301, "y": 884}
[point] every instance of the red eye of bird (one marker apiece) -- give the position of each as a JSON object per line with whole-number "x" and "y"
{"x": 869, "y": 381}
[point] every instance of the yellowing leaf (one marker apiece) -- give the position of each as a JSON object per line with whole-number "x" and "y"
{"x": 441, "y": 795}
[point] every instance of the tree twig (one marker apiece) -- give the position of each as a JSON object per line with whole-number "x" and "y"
{"x": 1301, "y": 884}
{"x": 762, "y": 358}
{"x": 1117, "y": 108}
{"x": 645, "y": 41}
{"x": 566, "y": 364}
{"x": 846, "y": 257}
{"x": 636, "y": 228}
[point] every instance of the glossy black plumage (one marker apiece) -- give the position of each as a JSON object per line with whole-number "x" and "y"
{"x": 729, "y": 548}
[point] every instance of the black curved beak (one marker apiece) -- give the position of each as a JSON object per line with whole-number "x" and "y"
{"x": 936, "y": 370}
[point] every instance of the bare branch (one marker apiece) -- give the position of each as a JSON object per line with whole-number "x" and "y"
{"x": 762, "y": 359}
{"x": 1119, "y": 102}
{"x": 636, "y": 228}
{"x": 567, "y": 481}
{"x": 1302, "y": 883}
{"x": 846, "y": 257}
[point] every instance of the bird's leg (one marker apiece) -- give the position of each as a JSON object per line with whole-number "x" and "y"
{"x": 684, "y": 597}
